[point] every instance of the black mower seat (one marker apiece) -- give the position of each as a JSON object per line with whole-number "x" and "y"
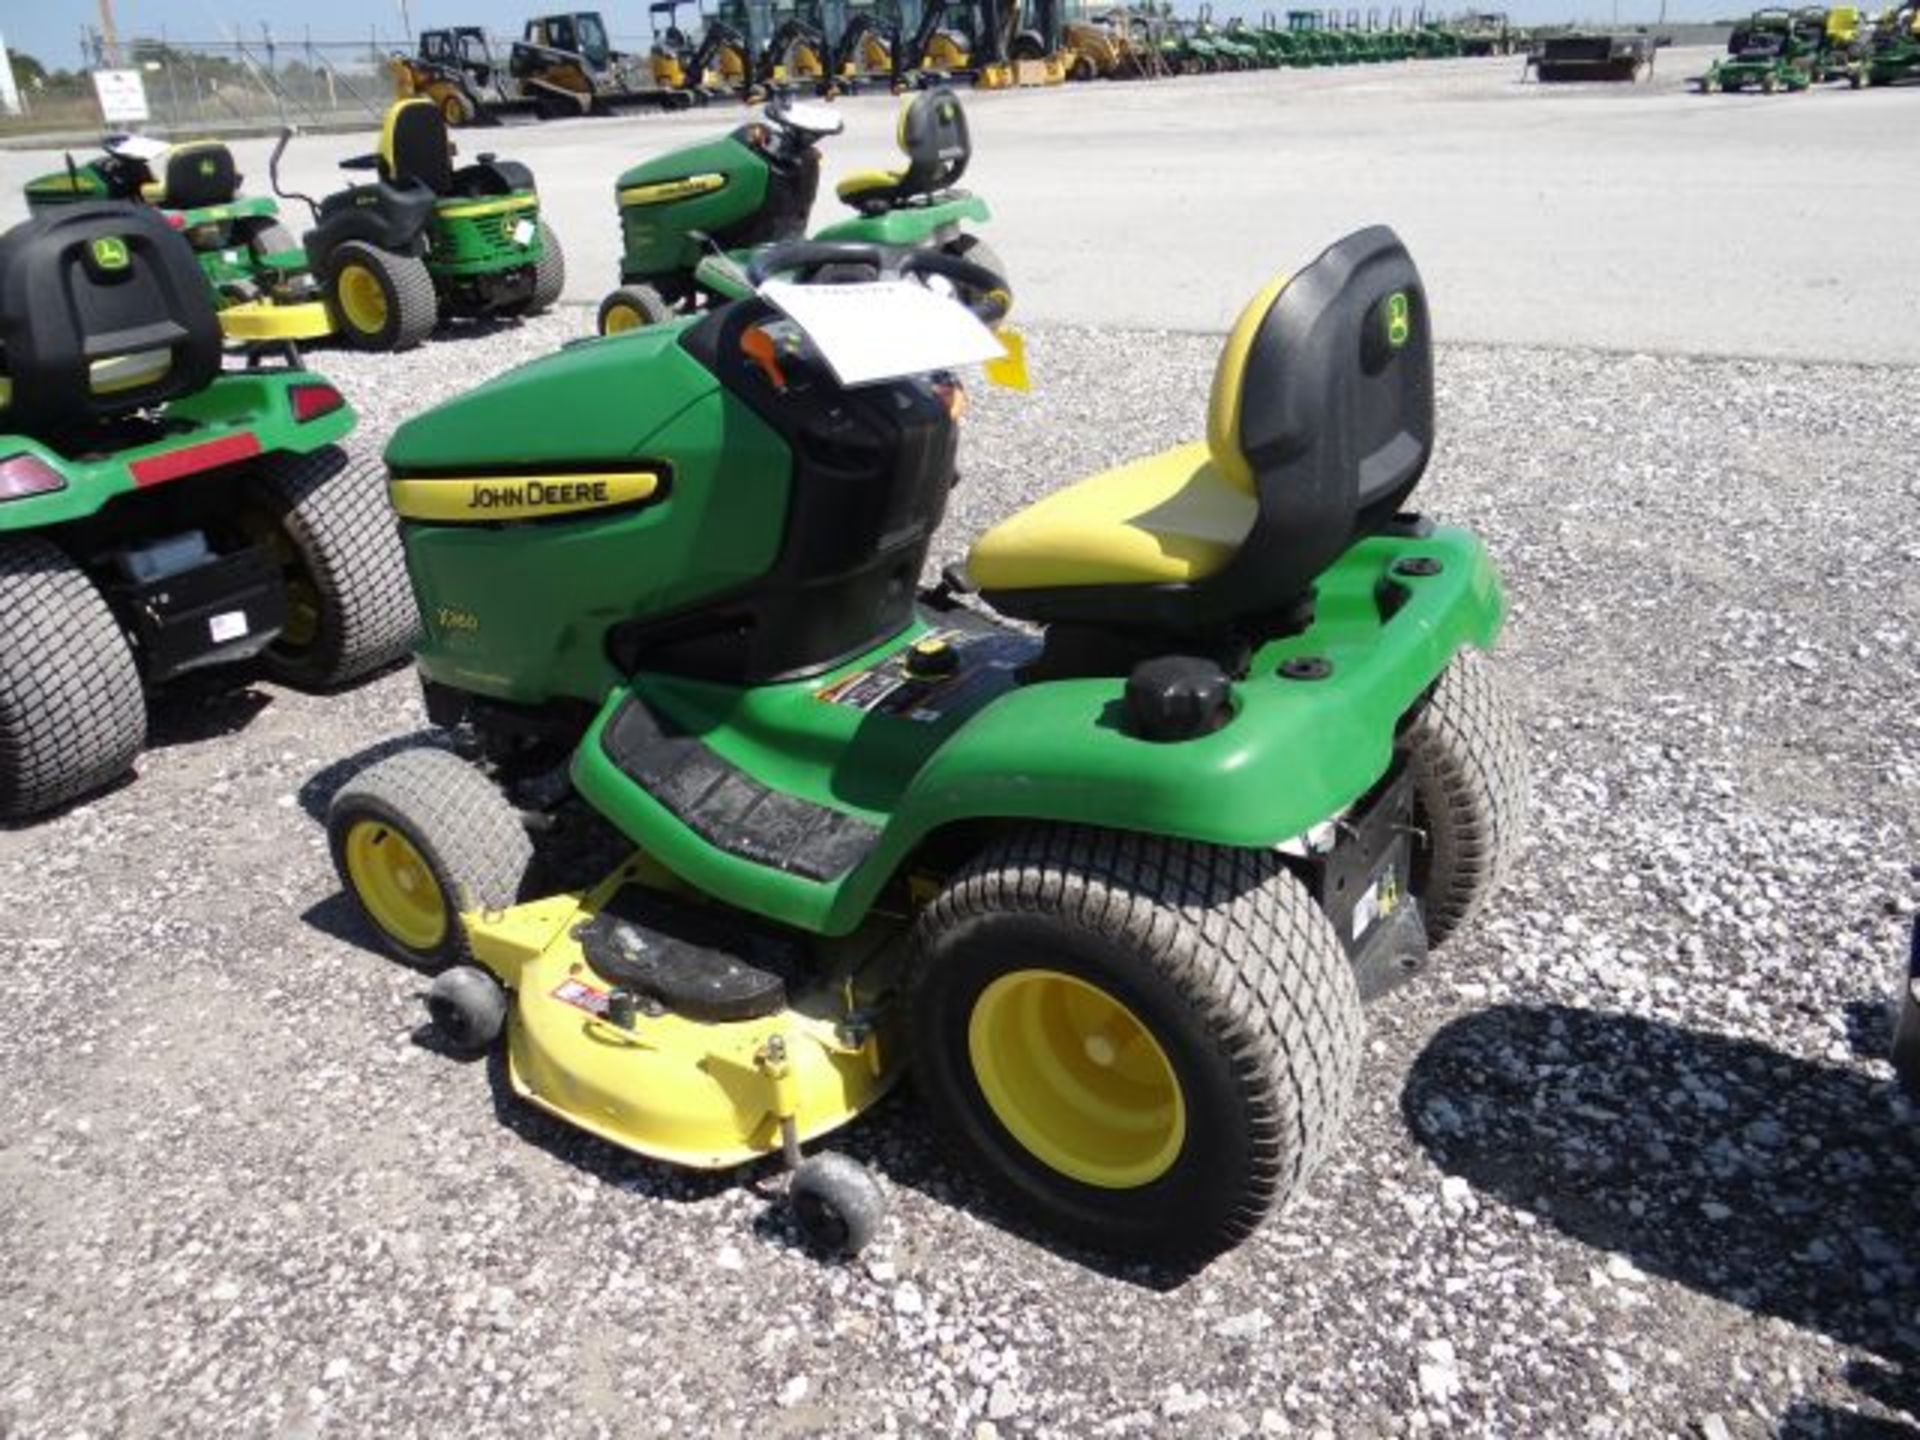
{"x": 103, "y": 311}
{"x": 415, "y": 148}
{"x": 194, "y": 175}
{"x": 933, "y": 133}
{"x": 1319, "y": 425}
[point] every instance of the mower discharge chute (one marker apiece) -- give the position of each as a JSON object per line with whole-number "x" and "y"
{"x": 426, "y": 238}
{"x": 159, "y": 516}
{"x": 1113, "y": 881}
{"x": 691, "y": 219}
{"x": 255, "y": 267}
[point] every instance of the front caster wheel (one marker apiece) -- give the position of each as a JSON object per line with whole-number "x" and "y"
{"x": 468, "y": 1008}
{"x": 836, "y": 1203}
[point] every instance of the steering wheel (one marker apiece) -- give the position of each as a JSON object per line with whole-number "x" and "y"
{"x": 976, "y": 287}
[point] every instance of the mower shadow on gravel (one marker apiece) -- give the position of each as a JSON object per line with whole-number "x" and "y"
{"x": 1777, "y": 1184}
{"x": 202, "y": 713}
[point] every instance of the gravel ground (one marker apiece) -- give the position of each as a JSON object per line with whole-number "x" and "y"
{"x": 1626, "y": 1163}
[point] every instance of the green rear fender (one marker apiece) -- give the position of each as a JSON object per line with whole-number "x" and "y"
{"x": 1295, "y": 753}
{"x": 239, "y": 416}
{"x": 911, "y": 225}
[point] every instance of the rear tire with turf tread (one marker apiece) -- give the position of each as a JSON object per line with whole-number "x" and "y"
{"x": 461, "y": 825}
{"x": 412, "y": 306}
{"x": 549, "y": 273}
{"x": 1220, "y": 955}
{"x": 331, "y": 507}
{"x": 1468, "y": 762}
{"x": 72, "y": 713}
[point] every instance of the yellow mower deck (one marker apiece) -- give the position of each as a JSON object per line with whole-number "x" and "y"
{"x": 704, "y": 1095}
{"x": 260, "y": 321}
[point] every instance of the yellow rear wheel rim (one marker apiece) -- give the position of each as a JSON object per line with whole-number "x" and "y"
{"x": 1077, "y": 1079}
{"x": 363, "y": 300}
{"x": 396, "y": 885}
{"x": 621, "y": 318}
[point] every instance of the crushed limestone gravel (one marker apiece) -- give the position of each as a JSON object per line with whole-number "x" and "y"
{"x": 1625, "y": 1162}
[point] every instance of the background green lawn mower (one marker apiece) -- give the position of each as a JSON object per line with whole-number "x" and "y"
{"x": 159, "y": 517}
{"x": 1113, "y": 881}
{"x": 720, "y": 201}
{"x": 1892, "y": 53}
{"x": 254, "y": 265}
{"x": 428, "y": 240}
{"x": 1769, "y": 53}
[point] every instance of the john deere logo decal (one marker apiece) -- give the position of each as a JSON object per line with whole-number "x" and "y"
{"x": 207, "y": 167}
{"x": 110, "y": 253}
{"x": 1399, "y": 319}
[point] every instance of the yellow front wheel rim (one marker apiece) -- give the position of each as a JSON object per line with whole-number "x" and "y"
{"x": 621, "y": 318}
{"x": 396, "y": 885}
{"x": 363, "y": 300}
{"x": 1077, "y": 1079}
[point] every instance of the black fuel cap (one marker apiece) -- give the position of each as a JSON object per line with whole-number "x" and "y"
{"x": 1177, "y": 697}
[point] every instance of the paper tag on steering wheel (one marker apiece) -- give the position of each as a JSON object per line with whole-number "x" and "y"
{"x": 1010, "y": 370}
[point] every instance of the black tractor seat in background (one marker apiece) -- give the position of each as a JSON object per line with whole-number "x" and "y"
{"x": 196, "y": 174}
{"x": 103, "y": 311}
{"x": 416, "y": 149}
{"x": 933, "y": 133}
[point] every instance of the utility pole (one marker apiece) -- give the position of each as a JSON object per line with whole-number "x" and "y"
{"x": 109, "y": 36}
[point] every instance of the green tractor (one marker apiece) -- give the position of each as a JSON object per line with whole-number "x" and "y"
{"x": 691, "y": 219}
{"x": 1106, "y": 837}
{"x": 1770, "y": 53}
{"x": 160, "y": 517}
{"x": 426, "y": 238}
{"x": 254, "y": 265}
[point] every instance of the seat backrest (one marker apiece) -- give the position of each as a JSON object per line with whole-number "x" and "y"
{"x": 415, "y": 146}
{"x": 200, "y": 172}
{"x": 103, "y": 310}
{"x": 933, "y": 133}
{"x": 1322, "y": 410}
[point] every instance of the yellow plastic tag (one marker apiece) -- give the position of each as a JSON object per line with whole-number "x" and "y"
{"x": 1011, "y": 369}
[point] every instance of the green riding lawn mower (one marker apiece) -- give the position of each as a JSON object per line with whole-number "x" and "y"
{"x": 426, "y": 239}
{"x": 691, "y": 220}
{"x": 161, "y": 516}
{"x": 1771, "y": 52}
{"x": 254, "y": 265}
{"x": 1892, "y": 53}
{"x": 1105, "y": 838}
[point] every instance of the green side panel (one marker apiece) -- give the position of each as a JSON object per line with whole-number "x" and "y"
{"x": 520, "y": 611}
{"x": 1295, "y": 753}
{"x": 483, "y": 244}
{"x": 657, "y": 237}
{"x": 63, "y": 188}
{"x": 242, "y": 207}
{"x": 911, "y": 225}
{"x": 237, "y": 402}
